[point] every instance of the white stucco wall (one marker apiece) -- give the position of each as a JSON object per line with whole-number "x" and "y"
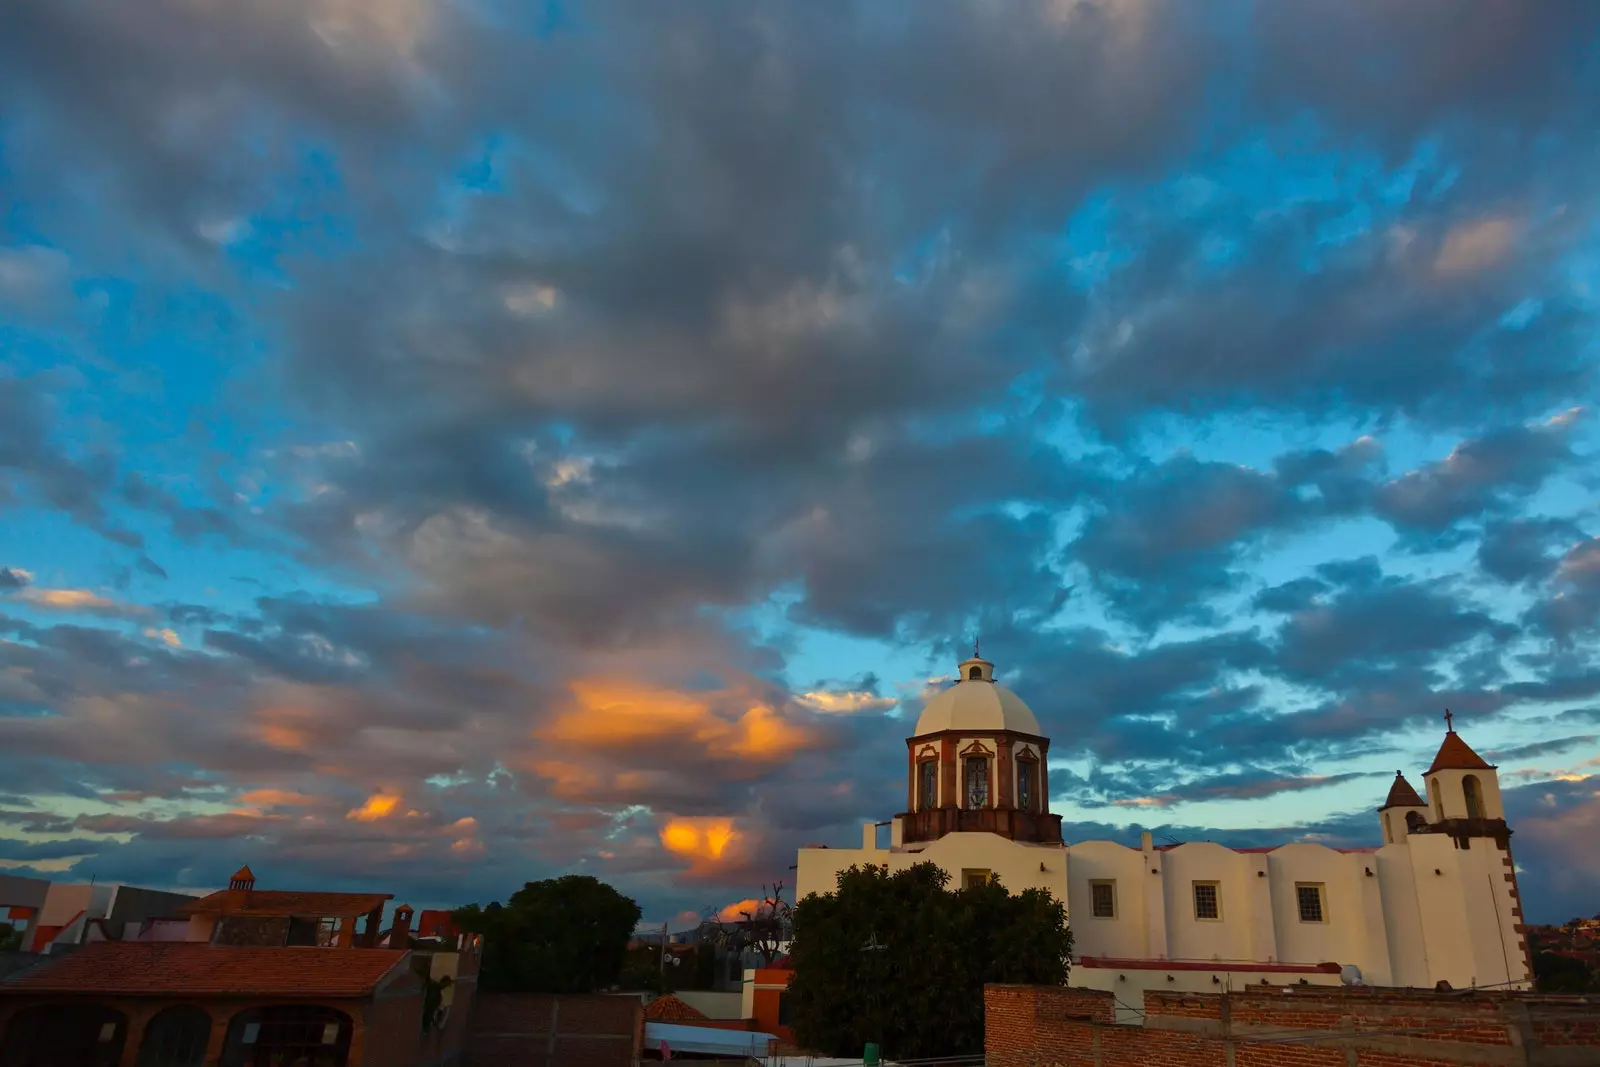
{"x": 1017, "y": 864}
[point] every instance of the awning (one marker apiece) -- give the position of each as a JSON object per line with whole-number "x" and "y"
{"x": 683, "y": 1038}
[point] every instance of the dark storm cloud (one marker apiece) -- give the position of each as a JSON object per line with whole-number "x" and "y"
{"x": 1573, "y": 605}
{"x": 1543, "y": 748}
{"x": 1479, "y": 477}
{"x": 1376, "y": 624}
{"x": 1518, "y": 550}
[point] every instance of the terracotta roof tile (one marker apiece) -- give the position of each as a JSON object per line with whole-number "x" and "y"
{"x": 670, "y": 1009}
{"x": 1401, "y": 795}
{"x": 278, "y": 902}
{"x": 1456, "y": 755}
{"x": 165, "y": 968}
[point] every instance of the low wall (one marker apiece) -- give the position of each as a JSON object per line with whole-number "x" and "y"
{"x": 539, "y": 1030}
{"x": 1032, "y": 1026}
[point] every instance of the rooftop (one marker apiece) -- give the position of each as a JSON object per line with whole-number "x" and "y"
{"x": 264, "y": 903}
{"x": 166, "y": 968}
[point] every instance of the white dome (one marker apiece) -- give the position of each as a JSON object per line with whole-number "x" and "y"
{"x": 975, "y": 703}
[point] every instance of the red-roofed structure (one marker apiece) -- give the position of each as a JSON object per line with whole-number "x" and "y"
{"x": 1456, "y": 755}
{"x": 154, "y": 968}
{"x": 272, "y": 977}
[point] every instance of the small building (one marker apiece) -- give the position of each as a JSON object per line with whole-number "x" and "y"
{"x": 265, "y": 978}
{"x": 51, "y": 914}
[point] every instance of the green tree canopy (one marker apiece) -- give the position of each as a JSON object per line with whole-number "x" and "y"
{"x": 563, "y": 935}
{"x": 902, "y": 960}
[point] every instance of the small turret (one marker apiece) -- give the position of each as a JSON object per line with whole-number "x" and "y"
{"x": 1401, "y": 811}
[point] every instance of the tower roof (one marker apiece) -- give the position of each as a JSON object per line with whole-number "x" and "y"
{"x": 977, "y": 703}
{"x": 1401, "y": 795}
{"x": 1456, "y": 755}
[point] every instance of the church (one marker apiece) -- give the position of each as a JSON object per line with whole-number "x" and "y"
{"x": 1436, "y": 902}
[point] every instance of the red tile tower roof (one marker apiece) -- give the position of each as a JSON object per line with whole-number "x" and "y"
{"x": 192, "y": 968}
{"x": 670, "y": 1009}
{"x": 1401, "y": 795}
{"x": 1456, "y": 755}
{"x": 280, "y": 902}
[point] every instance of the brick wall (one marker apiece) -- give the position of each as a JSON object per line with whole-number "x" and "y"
{"x": 1028, "y": 1026}
{"x": 537, "y": 1030}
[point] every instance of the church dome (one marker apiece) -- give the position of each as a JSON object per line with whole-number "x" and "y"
{"x": 976, "y": 703}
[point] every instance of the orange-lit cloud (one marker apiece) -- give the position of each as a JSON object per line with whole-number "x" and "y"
{"x": 627, "y": 714}
{"x": 703, "y": 841}
{"x": 377, "y": 806}
{"x": 738, "y": 909}
{"x": 80, "y": 600}
{"x": 281, "y": 736}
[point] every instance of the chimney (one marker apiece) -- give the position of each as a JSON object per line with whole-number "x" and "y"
{"x": 242, "y": 879}
{"x": 400, "y": 932}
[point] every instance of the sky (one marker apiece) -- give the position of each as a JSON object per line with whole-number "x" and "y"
{"x": 450, "y": 444}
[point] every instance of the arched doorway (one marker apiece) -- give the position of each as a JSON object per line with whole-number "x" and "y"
{"x": 305, "y": 1035}
{"x": 64, "y": 1035}
{"x": 176, "y": 1037}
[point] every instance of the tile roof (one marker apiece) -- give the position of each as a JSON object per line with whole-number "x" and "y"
{"x": 1401, "y": 795}
{"x": 670, "y": 1009}
{"x": 1456, "y": 755}
{"x": 278, "y": 902}
{"x": 192, "y": 968}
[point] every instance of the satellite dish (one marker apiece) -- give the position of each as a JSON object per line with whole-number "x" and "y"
{"x": 1350, "y": 975}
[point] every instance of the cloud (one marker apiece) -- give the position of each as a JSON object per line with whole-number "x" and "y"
{"x": 1479, "y": 475}
{"x": 82, "y": 601}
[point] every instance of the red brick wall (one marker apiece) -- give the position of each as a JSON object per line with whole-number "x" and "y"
{"x": 1028, "y": 1026}
{"x": 536, "y": 1030}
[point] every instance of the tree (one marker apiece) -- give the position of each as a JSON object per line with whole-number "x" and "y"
{"x": 900, "y": 959}
{"x": 765, "y": 928}
{"x": 563, "y": 935}
{"x": 1554, "y": 972}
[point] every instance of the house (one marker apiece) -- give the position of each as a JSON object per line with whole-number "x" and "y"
{"x": 265, "y": 978}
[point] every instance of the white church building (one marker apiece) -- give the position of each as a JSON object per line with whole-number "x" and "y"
{"x": 1435, "y": 902}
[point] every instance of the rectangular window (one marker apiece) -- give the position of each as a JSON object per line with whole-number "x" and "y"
{"x": 972, "y": 879}
{"x": 1308, "y": 895}
{"x": 1104, "y": 898}
{"x": 1027, "y": 772}
{"x": 928, "y": 788}
{"x": 1207, "y": 900}
{"x": 977, "y": 782}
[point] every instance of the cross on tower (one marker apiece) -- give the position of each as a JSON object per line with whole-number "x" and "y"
{"x": 1449, "y": 722}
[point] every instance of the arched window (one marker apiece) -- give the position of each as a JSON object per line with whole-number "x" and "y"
{"x": 927, "y": 785}
{"x": 176, "y": 1037}
{"x": 1437, "y": 796}
{"x": 1027, "y": 782}
{"x": 287, "y": 1034}
{"x": 977, "y": 774}
{"x": 975, "y": 673}
{"x": 64, "y": 1035}
{"x": 1473, "y": 792}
